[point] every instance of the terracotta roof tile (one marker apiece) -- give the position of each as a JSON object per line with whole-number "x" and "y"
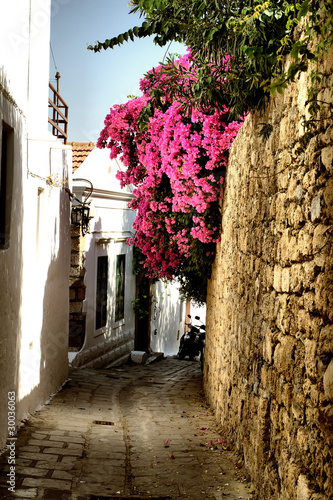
{"x": 80, "y": 152}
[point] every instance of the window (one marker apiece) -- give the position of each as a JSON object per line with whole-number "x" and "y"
{"x": 6, "y": 183}
{"x": 102, "y": 291}
{"x": 120, "y": 287}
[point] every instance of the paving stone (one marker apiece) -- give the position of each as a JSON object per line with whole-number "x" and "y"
{"x": 30, "y": 471}
{"x": 69, "y": 460}
{"x": 53, "y": 465}
{"x": 37, "y": 435}
{"x": 61, "y": 474}
{"x": 33, "y": 449}
{"x": 63, "y": 451}
{"x": 38, "y": 456}
{"x": 69, "y": 439}
{"x": 44, "y": 443}
{"x": 155, "y": 449}
{"x": 24, "y": 462}
{"x": 25, "y": 493}
{"x": 47, "y": 483}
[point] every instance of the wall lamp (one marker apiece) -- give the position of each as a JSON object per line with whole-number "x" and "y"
{"x": 81, "y": 212}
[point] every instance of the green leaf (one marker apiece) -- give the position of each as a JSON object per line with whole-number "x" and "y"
{"x": 303, "y": 9}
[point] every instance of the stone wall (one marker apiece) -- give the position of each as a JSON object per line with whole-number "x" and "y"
{"x": 77, "y": 291}
{"x": 269, "y": 343}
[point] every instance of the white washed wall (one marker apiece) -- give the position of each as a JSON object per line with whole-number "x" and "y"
{"x": 109, "y": 230}
{"x": 34, "y": 269}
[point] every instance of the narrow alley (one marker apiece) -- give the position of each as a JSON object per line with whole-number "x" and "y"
{"x": 134, "y": 431}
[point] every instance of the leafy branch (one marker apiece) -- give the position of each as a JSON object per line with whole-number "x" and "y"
{"x": 256, "y": 35}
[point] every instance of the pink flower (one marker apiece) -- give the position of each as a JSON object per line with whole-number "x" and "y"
{"x": 174, "y": 165}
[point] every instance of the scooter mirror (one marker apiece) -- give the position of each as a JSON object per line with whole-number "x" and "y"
{"x": 197, "y": 317}
{"x": 189, "y": 316}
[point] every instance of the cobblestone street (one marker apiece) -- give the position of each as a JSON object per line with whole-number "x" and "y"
{"x": 135, "y": 431}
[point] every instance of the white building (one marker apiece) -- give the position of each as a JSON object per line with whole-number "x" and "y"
{"x": 34, "y": 217}
{"x": 102, "y": 283}
{"x": 104, "y": 327}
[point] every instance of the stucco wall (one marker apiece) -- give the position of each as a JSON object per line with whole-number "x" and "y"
{"x": 167, "y": 318}
{"x": 34, "y": 267}
{"x": 110, "y": 228}
{"x": 269, "y": 342}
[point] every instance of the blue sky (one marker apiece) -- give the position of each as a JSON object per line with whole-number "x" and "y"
{"x": 91, "y": 83}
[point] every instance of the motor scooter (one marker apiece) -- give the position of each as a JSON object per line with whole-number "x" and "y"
{"x": 192, "y": 342}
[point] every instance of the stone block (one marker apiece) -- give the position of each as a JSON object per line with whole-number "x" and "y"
{"x": 76, "y": 232}
{"x": 282, "y": 313}
{"x": 277, "y": 279}
{"x": 269, "y": 343}
{"x": 76, "y": 259}
{"x": 299, "y": 193}
{"x": 296, "y": 216}
{"x": 298, "y": 408}
{"x": 318, "y": 496}
{"x": 303, "y": 491}
{"x": 309, "y": 302}
{"x": 283, "y": 357}
{"x": 75, "y": 244}
{"x": 296, "y": 278}
{"x": 280, "y": 208}
{"x": 327, "y": 158}
{"x": 320, "y": 236}
{"x": 287, "y": 395}
{"x": 328, "y": 381}
{"x": 309, "y": 179}
{"x": 302, "y": 439}
{"x": 75, "y": 273}
{"x": 139, "y": 357}
{"x": 25, "y": 493}
{"x": 316, "y": 209}
{"x": 304, "y": 242}
{"x": 324, "y": 295}
{"x": 292, "y": 188}
{"x": 54, "y": 466}
{"x": 75, "y": 307}
{"x": 64, "y": 451}
{"x": 81, "y": 293}
{"x": 30, "y": 471}
{"x": 310, "y": 361}
{"x": 288, "y": 244}
{"x": 47, "y": 483}
{"x": 328, "y": 198}
{"x": 61, "y": 474}
{"x": 325, "y": 344}
{"x": 45, "y": 442}
{"x": 285, "y": 280}
{"x": 308, "y": 275}
{"x": 38, "y": 456}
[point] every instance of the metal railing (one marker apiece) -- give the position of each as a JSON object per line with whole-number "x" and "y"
{"x": 59, "y": 119}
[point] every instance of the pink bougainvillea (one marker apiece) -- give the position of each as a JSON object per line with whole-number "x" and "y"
{"x": 176, "y": 164}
